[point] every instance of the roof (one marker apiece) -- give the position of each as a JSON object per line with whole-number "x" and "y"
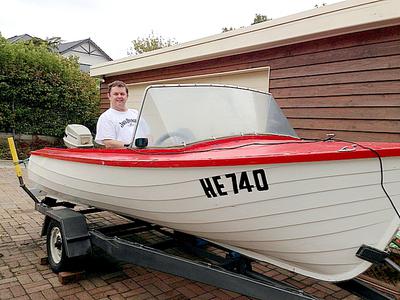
{"x": 354, "y": 15}
{"x": 22, "y": 37}
{"x": 64, "y": 47}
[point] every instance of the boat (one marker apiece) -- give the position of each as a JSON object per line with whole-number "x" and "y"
{"x": 223, "y": 163}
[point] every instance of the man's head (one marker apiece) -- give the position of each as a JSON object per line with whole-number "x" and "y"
{"x": 118, "y": 95}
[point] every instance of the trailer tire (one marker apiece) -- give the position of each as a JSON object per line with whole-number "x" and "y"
{"x": 56, "y": 254}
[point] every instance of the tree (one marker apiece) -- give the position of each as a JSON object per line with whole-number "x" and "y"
{"x": 319, "y": 5}
{"x": 41, "y": 91}
{"x": 53, "y": 43}
{"x": 150, "y": 43}
{"x": 259, "y": 18}
{"x": 226, "y": 29}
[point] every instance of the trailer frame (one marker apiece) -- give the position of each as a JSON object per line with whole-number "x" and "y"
{"x": 232, "y": 272}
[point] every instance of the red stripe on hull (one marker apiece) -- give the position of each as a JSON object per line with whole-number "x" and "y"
{"x": 245, "y": 150}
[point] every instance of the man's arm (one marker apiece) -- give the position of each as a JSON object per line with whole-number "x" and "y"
{"x": 113, "y": 144}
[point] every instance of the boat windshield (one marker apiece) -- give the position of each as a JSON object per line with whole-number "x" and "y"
{"x": 185, "y": 114}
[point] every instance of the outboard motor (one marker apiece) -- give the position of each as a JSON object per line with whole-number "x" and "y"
{"x": 78, "y": 136}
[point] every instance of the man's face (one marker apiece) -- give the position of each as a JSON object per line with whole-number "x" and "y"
{"x": 118, "y": 98}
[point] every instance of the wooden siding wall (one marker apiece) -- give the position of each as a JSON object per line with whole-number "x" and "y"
{"x": 348, "y": 85}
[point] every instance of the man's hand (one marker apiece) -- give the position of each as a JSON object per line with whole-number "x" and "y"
{"x": 113, "y": 144}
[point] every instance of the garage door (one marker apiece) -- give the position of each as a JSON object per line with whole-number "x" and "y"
{"x": 251, "y": 78}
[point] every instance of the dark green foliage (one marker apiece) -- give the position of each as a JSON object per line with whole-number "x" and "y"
{"x": 259, "y": 18}
{"x": 320, "y": 5}
{"x": 41, "y": 91}
{"x": 226, "y": 29}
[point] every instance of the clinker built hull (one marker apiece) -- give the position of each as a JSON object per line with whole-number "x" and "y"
{"x": 309, "y": 217}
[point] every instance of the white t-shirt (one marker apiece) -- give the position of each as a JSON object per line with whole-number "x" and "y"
{"x": 120, "y": 126}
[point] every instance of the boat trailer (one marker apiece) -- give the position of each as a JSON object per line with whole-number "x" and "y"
{"x": 69, "y": 240}
{"x": 231, "y": 272}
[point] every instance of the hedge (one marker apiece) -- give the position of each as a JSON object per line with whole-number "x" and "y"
{"x": 41, "y": 91}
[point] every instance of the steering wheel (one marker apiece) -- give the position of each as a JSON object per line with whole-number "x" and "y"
{"x": 183, "y": 134}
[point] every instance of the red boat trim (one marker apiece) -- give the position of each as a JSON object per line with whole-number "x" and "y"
{"x": 247, "y": 150}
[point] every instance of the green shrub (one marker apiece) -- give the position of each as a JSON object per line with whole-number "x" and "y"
{"x": 41, "y": 91}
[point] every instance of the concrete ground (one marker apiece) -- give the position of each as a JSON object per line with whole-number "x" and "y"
{"x": 23, "y": 277}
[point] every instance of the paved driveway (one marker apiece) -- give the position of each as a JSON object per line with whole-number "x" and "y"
{"x": 23, "y": 277}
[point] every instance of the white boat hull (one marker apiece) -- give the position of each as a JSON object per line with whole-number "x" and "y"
{"x": 312, "y": 219}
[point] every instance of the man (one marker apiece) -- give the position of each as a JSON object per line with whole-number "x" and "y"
{"x": 116, "y": 126}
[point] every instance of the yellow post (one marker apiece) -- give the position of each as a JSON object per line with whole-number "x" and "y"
{"x": 18, "y": 169}
{"x": 14, "y": 157}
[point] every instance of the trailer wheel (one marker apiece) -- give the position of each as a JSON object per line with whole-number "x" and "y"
{"x": 57, "y": 257}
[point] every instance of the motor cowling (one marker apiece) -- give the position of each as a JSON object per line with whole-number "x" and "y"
{"x": 78, "y": 136}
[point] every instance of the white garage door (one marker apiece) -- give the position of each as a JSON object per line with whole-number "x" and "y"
{"x": 251, "y": 78}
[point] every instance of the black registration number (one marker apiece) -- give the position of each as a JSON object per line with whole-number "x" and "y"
{"x": 249, "y": 181}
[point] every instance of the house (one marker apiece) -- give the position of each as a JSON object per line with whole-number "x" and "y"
{"x": 333, "y": 69}
{"x": 20, "y": 38}
{"x": 86, "y": 50}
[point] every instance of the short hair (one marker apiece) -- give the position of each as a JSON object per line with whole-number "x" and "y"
{"x": 117, "y": 83}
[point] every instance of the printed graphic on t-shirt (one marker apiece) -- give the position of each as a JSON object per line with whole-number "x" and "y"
{"x": 129, "y": 122}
